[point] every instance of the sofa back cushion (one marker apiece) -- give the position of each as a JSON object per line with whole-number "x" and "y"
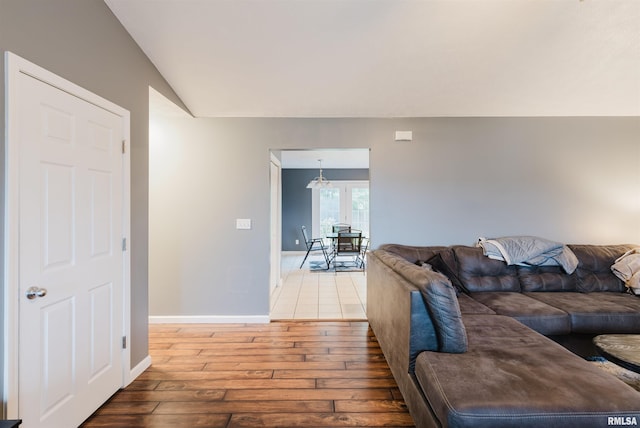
{"x": 594, "y": 267}
{"x": 546, "y": 278}
{"x": 479, "y": 273}
{"x": 442, "y": 305}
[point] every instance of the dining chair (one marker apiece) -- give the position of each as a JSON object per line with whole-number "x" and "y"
{"x": 338, "y": 227}
{"x": 313, "y": 244}
{"x": 341, "y": 227}
{"x": 360, "y": 259}
{"x": 349, "y": 244}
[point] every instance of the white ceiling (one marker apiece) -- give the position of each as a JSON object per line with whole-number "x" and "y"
{"x": 347, "y": 158}
{"x": 393, "y": 58}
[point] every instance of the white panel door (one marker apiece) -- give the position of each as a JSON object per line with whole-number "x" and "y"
{"x": 70, "y": 256}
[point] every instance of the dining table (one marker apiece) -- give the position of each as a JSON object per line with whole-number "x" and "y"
{"x": 333, "y": 236}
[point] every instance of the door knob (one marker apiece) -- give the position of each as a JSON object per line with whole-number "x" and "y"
{"x": 34, "y": 292}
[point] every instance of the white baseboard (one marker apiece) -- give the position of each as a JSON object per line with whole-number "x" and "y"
{"x": 209, "y": 319}
{"x": 138, "y": 369}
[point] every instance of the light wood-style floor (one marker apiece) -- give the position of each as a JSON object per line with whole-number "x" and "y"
{"x": 282, "y": 374}
{"x": 318, "y": 295}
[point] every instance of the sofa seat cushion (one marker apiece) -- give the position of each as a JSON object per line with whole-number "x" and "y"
{"x": 597, "y": 313}
{"x": 541, "y": 317}
{"x": 513, "y": 377}
{"x": 469, "y": 305}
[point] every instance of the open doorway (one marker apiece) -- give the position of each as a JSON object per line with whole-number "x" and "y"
{"x": 311, "y": 291}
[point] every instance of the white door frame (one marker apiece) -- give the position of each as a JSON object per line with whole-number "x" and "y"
{"x": 275, "y": 275}
{"x": 14, "y": 66}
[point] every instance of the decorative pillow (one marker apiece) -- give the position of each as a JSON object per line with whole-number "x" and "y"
{"x": 442, "y": 304}
{"x": 439, "y": 265}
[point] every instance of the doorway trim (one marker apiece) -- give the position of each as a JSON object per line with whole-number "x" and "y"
{"x": 14, "y": 67}
{"x": 275, "y": 221}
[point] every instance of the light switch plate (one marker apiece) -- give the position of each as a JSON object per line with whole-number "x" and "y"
{"x": 243, "y": 223}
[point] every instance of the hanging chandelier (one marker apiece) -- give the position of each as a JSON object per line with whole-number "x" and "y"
{"x": 319, "y": 182}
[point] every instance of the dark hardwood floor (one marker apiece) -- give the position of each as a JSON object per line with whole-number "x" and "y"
{"x": 282, "y": 374}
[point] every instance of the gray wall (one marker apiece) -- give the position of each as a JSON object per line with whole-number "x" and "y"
{"x": 296, "y": 200}
{"x": 568, "y": 179}
{"x": 574, "y": 180}
{"x": 82, "y": 41}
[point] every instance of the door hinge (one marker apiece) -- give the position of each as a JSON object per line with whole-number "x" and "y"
{"x": 124, "y": 146}
{"x": 124, "y": 342}
{"x": 124, "y": 244}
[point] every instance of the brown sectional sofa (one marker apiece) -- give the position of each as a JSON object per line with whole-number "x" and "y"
{"x": 477, "y": 343}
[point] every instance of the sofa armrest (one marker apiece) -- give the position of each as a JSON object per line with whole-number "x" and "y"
{"x": 413, "y": 253}
{"x": 397, "y": 314}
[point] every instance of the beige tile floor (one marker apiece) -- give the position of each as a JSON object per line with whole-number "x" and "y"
{"x": 318, "y": 295}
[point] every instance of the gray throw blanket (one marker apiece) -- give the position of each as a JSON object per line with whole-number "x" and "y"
{"x": 529, "y": 251}
{"x": 627, "y": 268}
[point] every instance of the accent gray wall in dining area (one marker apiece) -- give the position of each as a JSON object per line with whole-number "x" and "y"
{"x": 296, "y": 200}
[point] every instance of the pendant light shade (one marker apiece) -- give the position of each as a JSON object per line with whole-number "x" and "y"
{"x": 319, "y": 182}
